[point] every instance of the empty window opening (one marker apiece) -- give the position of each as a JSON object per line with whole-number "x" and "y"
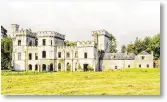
{"x": 30, "y": 67}
{"x": 59, "y": 54}
{"x": 44, "y": 41}
{"x": 85, "y": 55}
{"x": 19, "y": 42}
{"x": 30, "y": 56}
{"x": 43, "y": 54}
{"x": 68, "y": 55}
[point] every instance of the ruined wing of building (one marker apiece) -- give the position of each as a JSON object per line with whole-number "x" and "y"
{"x": 3, "y": 32}
{"x": 46, "y": 51}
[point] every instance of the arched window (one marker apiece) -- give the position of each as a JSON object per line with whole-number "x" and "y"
{"x": 67, "y": 63}
{"x": 51, "y": 67}
{"x": 36, "y": 67}
{"x": 36, "y": 42}
{"x": 30, "y": 67}
{"x": 19, "y": 56}
{"x": 59, "y": 66}
{"x": 30, "y": 56}
{"x": 76, "y": 54}
{"x": 43, "y": 67}
{"x": 147, "y": 65}
{"x": 128, "y": 66}
{"x": 30, "y": 44}
{"x": 43, "y": 54}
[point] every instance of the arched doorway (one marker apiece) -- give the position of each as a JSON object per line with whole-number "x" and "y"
{"x": 43, "y": 67}
{"x": 36, "y": 67}
{"x": 51, "y": 67}
{"x": 59, "y": 67}
{"x": 30, "y": 67}
{"x": 85, "y": 67}
{"x": 76, "y": 66}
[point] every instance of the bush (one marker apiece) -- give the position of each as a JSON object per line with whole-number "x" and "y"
{"x": 79, "y": 67}
{"x": 68, "y": 67}
{"x": 90, "y": 68}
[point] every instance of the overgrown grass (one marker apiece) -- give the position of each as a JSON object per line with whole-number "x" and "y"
{"x": 117, "y": 82}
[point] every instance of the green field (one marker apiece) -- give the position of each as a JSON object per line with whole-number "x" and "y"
{"x": 121, "y": 82}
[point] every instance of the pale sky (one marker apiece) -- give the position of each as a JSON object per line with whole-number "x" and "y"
{"x": 76, "y": 20}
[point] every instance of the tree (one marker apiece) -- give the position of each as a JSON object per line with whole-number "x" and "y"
{"x": 123, "y": 49}
{"x": 6, "y": 52}
{"x": 70, "y": 43}
{"x": 68, "y": 67}
{"x": 138, "y": 46}
{"x": 79, "y": 67}
{"x": 113, "y": 44}
{"x": 148, "y": 44}
{"x": 131, "y": 48}
{"x": 90, "y": 68}
{"x": 155, "y": 46}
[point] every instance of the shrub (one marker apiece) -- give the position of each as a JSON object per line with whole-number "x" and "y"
{"x": 68, "y": 67}
{"x": 79, "y": 67}
{"x": 90, "y": 68}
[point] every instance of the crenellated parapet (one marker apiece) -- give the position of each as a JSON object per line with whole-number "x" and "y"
{"x": 51, "y": 34}
{"x": 25, "y": 32}
{"x": 85, "y": 43}
{"x": 66, "y": 47}
{"x": 101, "y": 32}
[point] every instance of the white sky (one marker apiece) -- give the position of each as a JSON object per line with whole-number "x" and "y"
{"x": 125, "y": 20}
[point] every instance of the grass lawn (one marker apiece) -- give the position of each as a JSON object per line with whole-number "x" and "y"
{"x": 127, "y": 82}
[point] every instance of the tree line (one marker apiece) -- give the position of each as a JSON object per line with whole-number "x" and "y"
{"x": 147, "y": 44}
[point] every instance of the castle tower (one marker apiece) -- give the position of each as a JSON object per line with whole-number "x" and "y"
{"x": 15, "y": 28}
{"x": 102, "y": 38}
{"x": 47, "y": 42}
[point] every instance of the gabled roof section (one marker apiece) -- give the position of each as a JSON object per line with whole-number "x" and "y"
{"x": 119, "y": 56}
{"x": 143, "y": 53}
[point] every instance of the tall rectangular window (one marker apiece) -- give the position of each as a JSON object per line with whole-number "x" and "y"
{"x": 36, "y": 56}
{"x": 30, "y": 56}
{"x": 59, "y": 54}
{"x": 44, "y": 42}
{"x": 76, "y": 54}
{"x": 43, "y": 54}
{"x": 51, "y": 42}
{"x": 85, "y": 55}
{"x": 67, "y": 55}
{"x": 19, "y": 42}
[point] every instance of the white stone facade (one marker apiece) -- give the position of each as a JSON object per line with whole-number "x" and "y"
{"x": 46, "y": 51}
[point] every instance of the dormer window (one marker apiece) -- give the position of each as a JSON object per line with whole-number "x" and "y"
{"x": 19, "y": 42}
{"x": 142, "y": 57}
